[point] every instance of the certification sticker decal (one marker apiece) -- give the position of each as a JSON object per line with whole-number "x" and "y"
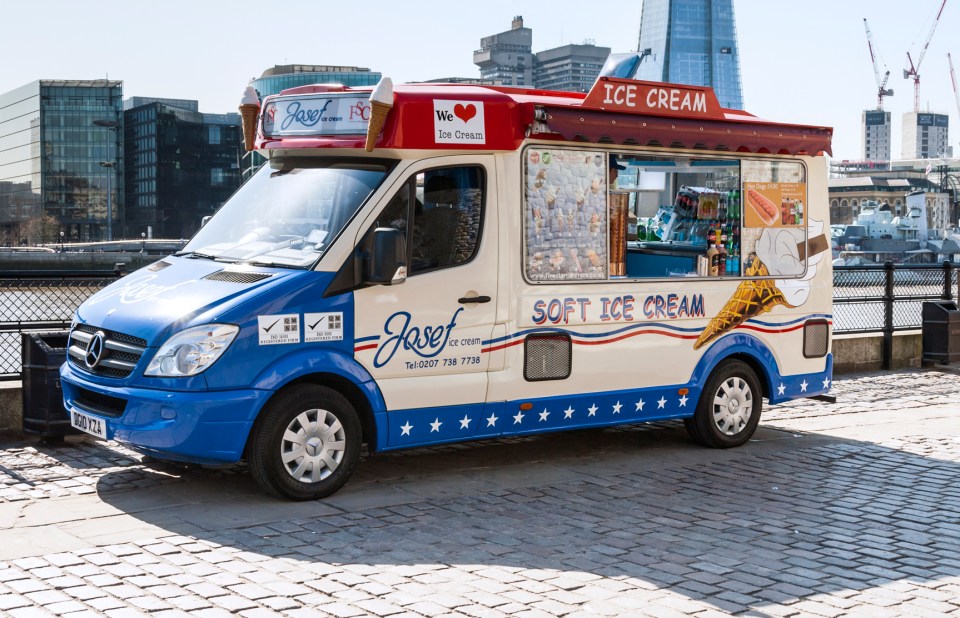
{"x": 323, "y": 326}
{"x": 274, "y": 329}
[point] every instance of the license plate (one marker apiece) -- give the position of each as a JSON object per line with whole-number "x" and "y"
{"x": 90, "y": 424}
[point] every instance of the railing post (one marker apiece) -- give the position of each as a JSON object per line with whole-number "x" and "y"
{"x": 888, "y": 316}
{"x": 947, "y": 280}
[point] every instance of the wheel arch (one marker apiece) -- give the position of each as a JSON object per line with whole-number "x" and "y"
{"x": 333, "y": 370}
{"x": 742, "y": 347}
{"x": 357, "y": 398}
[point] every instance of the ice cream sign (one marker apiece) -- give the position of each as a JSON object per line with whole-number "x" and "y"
{"x": 316, "y": 115}
{"x": 459, "y": 122}
{"x": 653, "y": 98}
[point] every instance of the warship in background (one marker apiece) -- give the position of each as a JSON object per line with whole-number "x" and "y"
{"x": 877, "y": 236}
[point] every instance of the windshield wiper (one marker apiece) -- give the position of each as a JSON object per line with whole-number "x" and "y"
{"x": 196, "y": 255}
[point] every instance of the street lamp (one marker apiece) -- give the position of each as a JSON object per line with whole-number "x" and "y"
{"x": 111, "y": 165}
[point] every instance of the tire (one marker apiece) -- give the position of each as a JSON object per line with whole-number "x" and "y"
{"x": 728, "y": 411}
{"x": 305, "y": 444}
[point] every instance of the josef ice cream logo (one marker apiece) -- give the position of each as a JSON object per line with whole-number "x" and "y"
{"x": 459, "y": 122}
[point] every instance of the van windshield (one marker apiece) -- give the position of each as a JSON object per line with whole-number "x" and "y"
{"x": 288, "y": 213}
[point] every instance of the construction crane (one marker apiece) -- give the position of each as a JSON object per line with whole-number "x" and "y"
{"x": 882, "y": 90}
{"x": 953, "y": 80}
{"x": 914, "y": 70}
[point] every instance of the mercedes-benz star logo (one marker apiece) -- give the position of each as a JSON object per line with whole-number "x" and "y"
{"x": 95, "y": 349}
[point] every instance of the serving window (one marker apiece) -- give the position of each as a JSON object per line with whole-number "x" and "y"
{"x": 594, "y": 215}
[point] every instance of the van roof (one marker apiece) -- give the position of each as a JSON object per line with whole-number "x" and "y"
{"x": 616, "y": 111}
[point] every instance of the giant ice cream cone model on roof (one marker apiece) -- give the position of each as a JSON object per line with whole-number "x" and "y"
{"x": 249, "y": 110}
{"x": 751, "y": 299}
{"x": 381, "y": 102}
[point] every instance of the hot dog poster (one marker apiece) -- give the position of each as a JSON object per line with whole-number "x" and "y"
{"x": 774, "y": 204}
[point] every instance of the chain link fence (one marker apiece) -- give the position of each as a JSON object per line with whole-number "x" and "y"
{"x": 866, "y": 299}
{"x": 39, "y": 302}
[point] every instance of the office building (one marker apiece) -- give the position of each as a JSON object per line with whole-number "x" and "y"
{"x": 61, "y": 161}
{"x": 281, "y": 77}
{"x": 181, "y": 165}
{"x": 876, "y": 135}
{"x": 573, "y": 68}
{"x": 691, "y": 42}
{"x": 507, "y": 57}
{"x": 925, "y": 136}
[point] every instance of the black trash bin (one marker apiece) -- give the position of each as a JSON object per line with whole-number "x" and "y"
{"x": 43, "y": 411}
{"x": 941, "y": 332}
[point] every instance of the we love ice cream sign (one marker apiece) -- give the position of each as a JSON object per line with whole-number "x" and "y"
{"x": 459, "y": 122}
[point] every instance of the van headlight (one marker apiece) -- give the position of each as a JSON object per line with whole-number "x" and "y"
{"x": 191, "y": 351}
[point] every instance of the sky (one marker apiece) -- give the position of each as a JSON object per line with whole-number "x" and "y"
{"x": 803, "y": 62}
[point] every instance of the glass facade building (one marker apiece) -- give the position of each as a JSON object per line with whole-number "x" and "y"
{"x": 61, "y": 161}
{"x": 286, "y": 76}
{"x": 691, "y": 42}
{"x": 181, "y": 166}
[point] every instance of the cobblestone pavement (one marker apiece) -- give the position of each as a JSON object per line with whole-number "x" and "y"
{"x": 792, "y": 526}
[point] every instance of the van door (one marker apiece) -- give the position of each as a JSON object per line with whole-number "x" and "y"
{"x": 423, "y": 340}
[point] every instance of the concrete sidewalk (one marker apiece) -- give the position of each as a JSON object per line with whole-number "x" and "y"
{"x": 841, "y": 509}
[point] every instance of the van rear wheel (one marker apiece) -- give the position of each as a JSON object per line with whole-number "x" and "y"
{"x": 728, "y": 412}
{"x": 305, "y": 444}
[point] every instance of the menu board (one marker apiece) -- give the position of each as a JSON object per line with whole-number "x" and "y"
{"x": 774, "y": 204}
{"x": 565, "y": 214}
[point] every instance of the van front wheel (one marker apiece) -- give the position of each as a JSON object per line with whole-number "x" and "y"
{"x": 729, "y": 408}
{"x": 305, "y": 444}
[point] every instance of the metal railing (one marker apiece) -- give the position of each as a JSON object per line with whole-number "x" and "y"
{"x": 888, "y": 298}
{"x": 866, "y": 299}
{"x": 32, "y": 302}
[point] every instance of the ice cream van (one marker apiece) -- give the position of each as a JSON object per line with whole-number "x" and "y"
{"x": 435, "y": 263}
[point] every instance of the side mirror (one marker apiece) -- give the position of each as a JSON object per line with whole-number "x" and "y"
{"x": 386, "y": 252}
{"x": 203, "y": 221}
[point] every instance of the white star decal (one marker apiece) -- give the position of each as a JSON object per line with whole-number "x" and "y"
{"x": 592, "y": 410}
{"x": 518, "y": 418}
{"x": 683, "y": 401}
{"x": 826, "y": 383}
{"x": 465, "y": 422}
{"x": 544, "y": 415}
{"x": 435, "y": 425}
{"x": 803, "y": 386}
{"x": 616, "y": 407}
{"x": 781, "y": 389}
{"x": 662, "y": 402}
{"x": 492, "y": 421}
{"x": 405, "y": 429}
{"x": 568, "y": 413}
{"x": 640, "y": 405}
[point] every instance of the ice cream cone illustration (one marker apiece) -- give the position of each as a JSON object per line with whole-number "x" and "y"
{"x": 750, "y": 300}
{"x": 249, "y": 110}
{"x": 381, "y": 102}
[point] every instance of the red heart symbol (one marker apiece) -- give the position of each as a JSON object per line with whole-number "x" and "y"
{"x": 465, "y": 112}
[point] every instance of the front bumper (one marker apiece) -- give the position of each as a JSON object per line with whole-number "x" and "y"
{"x": 196, "y": 427}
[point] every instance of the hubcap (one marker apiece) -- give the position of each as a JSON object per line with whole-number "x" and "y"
{"x": 313, "y": 446}
{"x": 732, "y": 406}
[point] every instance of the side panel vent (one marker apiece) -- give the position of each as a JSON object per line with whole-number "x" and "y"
{"x": 547, "y": 356}
{"x": 816, "y": 338}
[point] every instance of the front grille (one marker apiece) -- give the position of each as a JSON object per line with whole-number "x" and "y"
{"x": 97, "y": 403}
{"x": 119, "y": 356}
{"x": 236, "y": 276}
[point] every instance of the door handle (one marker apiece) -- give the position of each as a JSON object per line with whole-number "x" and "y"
{"x": 474, "y": 299}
